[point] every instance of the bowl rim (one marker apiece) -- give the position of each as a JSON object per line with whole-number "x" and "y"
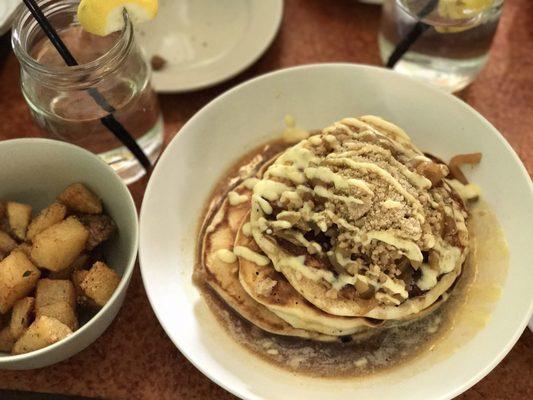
{"x": 128, "y": 271}
{"x": 176, "y": 142}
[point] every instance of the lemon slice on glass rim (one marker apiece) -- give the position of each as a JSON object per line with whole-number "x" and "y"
{"x": 103, "y": 17}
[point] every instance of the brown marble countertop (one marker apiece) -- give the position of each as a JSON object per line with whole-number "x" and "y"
{"x": 134, "y": 359}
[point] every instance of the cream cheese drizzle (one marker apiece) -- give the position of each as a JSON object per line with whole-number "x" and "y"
{"x": 413, "y": 177}
{"x": 250, "y": 183}
{"x": 395, "y": 132}
{"x": 298, "y": 155}
{"x": 367, "y": 128}
{"x": 265, "y": 205}
{"x": 466, "y": 192}
{"x": 340, "y": 182}
{"x": 291, "y": 198}
{"x": 391, "y": 204}
{"x": 247, "y": 229}
{"x": 270, "y": 190}
{"x": 292, "y": 133}
{"x": 217, "y": 219}
{"x": 407, "y": 247}
{"x": 280, "y": 224}
{"x": 354, "y": 122}
{"x": 315, "y": 274}
{"x": 315, "y": 140}
{"x": 337, "y": 282}
{"x": 290, "y": 172}
{"x": 339, "y": 126}
{"x": 251, "y": 255}
{"x": 428, "y": 278}
{"x": 226, "y": 256}
{"x": 235, "y": 198}
{"x": 369, "y": 167}
{"x": 341, "y": 221}
{"x": 325, "y": 193}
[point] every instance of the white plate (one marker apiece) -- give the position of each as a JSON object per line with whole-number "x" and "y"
{"x": 7, "y": 13}
{"x": 206, "y": 42}
{"x": 317, "y": 95}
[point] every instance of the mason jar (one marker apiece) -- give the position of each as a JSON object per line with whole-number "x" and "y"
{"x": 112, "y": 77}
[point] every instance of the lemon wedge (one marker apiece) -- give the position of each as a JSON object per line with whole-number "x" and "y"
{"x": 102, "y": 17}
{"x": 462, "y": 9}
{"x": 457, "y": 10}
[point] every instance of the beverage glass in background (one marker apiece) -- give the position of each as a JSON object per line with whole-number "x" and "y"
{"x": 58, "y": 95}
{"x": 455, "y": 47}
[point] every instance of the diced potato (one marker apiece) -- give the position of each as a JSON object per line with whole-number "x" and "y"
{"x": 6, "y": 340}
{"x": 21, "y": 316}
{"x": 81, "y": 298}
{"x": 77, "y": 278}
{"x": 58, "y": 246}
{"x": 43, "y": 332}
{"x": 61, "y": 311}
{"x": 25, "y": 248}
{"x": 7, "y": 243}
{"x": 50, "y": 291}
{"x": 19, "y": 216}
{"x": 79, "y": 263}
{"x": 100, "y": 228}
{"x": 18, "y": 277}
{"x": 100, "y": 283}
{"x": 80, "y": 199}
{"x": 57, "y": 299}
{"x": 51, "y": 215}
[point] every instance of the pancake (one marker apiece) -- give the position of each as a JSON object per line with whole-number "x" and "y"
{"x": 271, "y": 289}
{"x": 360, "y": 222}
{"x": 220, "y": 270}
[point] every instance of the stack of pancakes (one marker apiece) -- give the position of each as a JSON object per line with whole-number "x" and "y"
{"x": 346, "y": 232}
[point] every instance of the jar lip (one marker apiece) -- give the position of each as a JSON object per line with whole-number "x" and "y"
{"x": 50, "y": 7}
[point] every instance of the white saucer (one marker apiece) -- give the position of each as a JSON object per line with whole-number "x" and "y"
{"x": 7, "y": 12}
{"x": 206, "y": 42}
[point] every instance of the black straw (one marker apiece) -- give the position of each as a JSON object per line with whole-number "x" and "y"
{"x": 109, "y": 121}
{"x": 418, "y": 29}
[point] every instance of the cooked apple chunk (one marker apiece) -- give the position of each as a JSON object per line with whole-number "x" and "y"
{"x": 43, "y": 332}
{"x": 58, "y": 246}
{"x": 19, "y": 216}
{"x": 18, "y": 277}
{"x": 51, "y": 215}
{"x": 21, "y": 316}
{"x": 80, "y": 199}
{"x": 100, "y": 283}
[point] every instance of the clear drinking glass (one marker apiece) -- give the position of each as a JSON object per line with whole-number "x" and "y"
{"x": 454, "y": 48}
{"x": 58, "y": 95}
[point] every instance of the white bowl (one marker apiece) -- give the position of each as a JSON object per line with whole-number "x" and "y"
{"x": 35, "y": 171}
{"x": 317, "y": 95}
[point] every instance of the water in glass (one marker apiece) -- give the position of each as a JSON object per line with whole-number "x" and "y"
{"x": 455, "y": 47}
